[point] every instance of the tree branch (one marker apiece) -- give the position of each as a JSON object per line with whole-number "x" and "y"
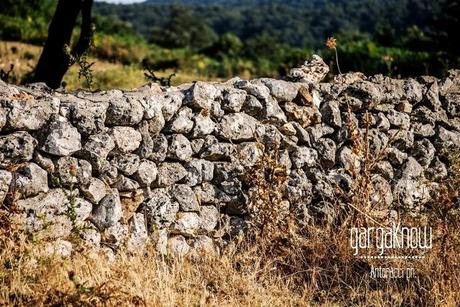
{"x": 87, "y": 29}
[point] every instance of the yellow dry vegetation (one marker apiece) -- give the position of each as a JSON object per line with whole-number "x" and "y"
{"x": 279, "y": 262}
{"x": 106, "y": 75}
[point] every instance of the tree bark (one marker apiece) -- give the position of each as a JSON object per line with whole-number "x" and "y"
{"x": 54, "y": 61}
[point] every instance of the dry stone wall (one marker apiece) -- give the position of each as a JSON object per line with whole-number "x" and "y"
{"x": 167, "y": 164}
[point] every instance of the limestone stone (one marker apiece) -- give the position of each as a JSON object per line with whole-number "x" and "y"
{"x": 125, "y": 184}
{"x": 109, "y": 210}
{"x": 91, "y": 237}
{"x": 178, "y": 246}
{"x": 447, "y": 139}
{"x": 62, "y": 138}
{"x": 218, "y": 151}
{"x": 256, "y": 89}
{"x": 269, "y": 136}
{"x": 30, "y": 180}
{"x": 94, "y": 190}
{"x": 206, "y": 193}
{"x": 202, "y": 95}
{"x": 99, "y": 145}
{"x": 5, "y": 180}
{"x": 70, "y": 170}
{"x": 138, "y": 236}
{"x": 396, "y": 156}
{"x": 385, "y": 169}
{"x": 171, "y": 103}
{"x": 233, "y": 99}
{"x": 146, "y": 173}
{"x": 304, "y": 156}
{"x": 411, "y": 169}
{"x": 81, "y": 209}
{"x": 187, "y": 223}
{"x": 304, "y": 115}
{"x": 44, "y": 162}
{"x": 237, "y": 127}
{"x": 59, "y": 247}
{"x": 197, "y": 145}
{"x": 204, "y": 125}
{"x": 53, "y": 202}
{"x": 186, "y": 198}
{"x": 199, "y": 170}
{"x": 249, "y": 153}
{"x": 349, "y": 78}
{"x": 124, "y": 111}
{"x": 273, "y": 113}
{"x": 209, "y": 217}
{"x": 203, "y": 244}
{"x": 127, "y": 163}
{"x": 31, "y": 114}
{"x": 349, "y": 160}
{"x": 87, "y": 116}
{"x": 154, "y": 149}
{"x": 424, "y": 152}
{"x": 131, "y": 201}
{"x": 182, "y": 122}
{"x": 282, "y": 90}
{"x": 116, "y": 235}
{"x": 312, "y": 71}
{"x": 180, "y": 148}
{"x": 382, "y": 122}
{"x": 161, "y": 210}
{"x": 252, "y": 106}
{"x": 410, "y": 192}
{"x": 127, "y": 139}
{"x": 398, "y": 119}
{"x": 288, "y": 129}
{"x": 170, "y": 173}
{"x": 327, "y": 150}
{"x": 331, "y": 113}
{"x": 381, "y": 194}
{"x": 3, "y": 114}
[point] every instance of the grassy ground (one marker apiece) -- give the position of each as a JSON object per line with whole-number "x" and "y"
{"x": 316, "y": 270}
{"x": 106, "y": 75}
{"x": 279, "y": 263}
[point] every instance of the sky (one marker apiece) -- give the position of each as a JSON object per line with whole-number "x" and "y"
{"x": 121, "y": 1}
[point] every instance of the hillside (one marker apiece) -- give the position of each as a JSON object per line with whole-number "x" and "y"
{"x": 220, "y": 39}
{"x": 106, "y": 74}
{"x": 397, "y": 38}
{"x": 299, "y": 23}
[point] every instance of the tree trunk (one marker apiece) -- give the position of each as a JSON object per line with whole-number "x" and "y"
{"x": 54, "y": 61}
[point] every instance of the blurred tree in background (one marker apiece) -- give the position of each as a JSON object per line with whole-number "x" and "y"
{"x": 224, "y": 38}
{"x": 58, "y": 55}
{"x": 25, "y": 20}
{"x": 183, "y": 29}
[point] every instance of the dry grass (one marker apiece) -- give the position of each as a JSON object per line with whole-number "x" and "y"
{"x": 317, "y": 259}
{"x": 313, "y": 266}
{"x": 30, "y": 278}
{"x": 279, "y": 262}
{"x": 106, "y": 75}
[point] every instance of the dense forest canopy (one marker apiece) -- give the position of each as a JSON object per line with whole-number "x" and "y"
{"x": 223, "y": 38}
{"x": 300, "y": 23}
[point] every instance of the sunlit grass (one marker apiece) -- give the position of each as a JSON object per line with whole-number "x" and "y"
{"x": 106, "y": 75}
